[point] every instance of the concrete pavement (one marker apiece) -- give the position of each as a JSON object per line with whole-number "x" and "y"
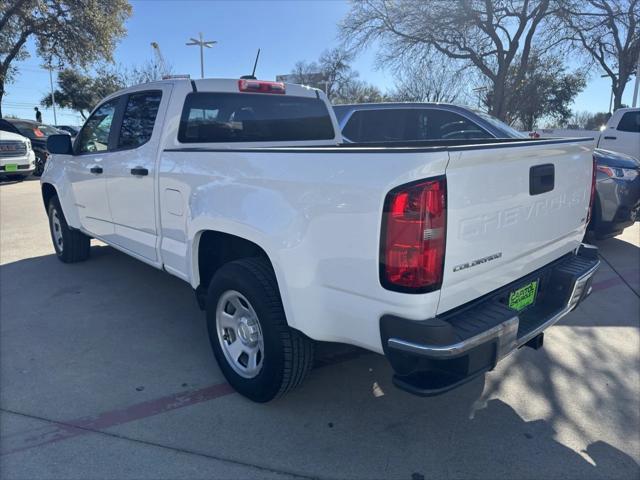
{"x": 106, "y": 372}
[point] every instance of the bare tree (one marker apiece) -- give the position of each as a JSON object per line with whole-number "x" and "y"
{"x": 149, "y": 71}
{"x": 609, "y": 31}
{"x": 490, "y": 35}
{"x": 588, "y": 120}
{"x": 427, "y": 81}
{"x": 333, "y": 74}
{"x": 337, "y": 71}
{"x": 306, "y": 73}
{"x": 358, "y": 91}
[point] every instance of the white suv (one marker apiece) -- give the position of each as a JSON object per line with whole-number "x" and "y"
{"x": 16, "y": 156}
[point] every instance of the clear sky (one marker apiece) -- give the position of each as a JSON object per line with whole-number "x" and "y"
{"x": 286, "y": 31}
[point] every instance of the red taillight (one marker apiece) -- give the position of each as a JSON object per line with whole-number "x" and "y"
{"x": 37, "y": 132}
{"x": 413, "y": 237}
{"x": 260, "y": 86}
{"x": 593, "y": 189}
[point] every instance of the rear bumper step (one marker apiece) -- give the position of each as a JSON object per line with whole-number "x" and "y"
{"x": 435, "y": 355}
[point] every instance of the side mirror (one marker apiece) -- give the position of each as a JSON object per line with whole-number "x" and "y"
{"x": 59, "y": 144}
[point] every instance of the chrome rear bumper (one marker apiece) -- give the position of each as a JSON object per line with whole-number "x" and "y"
{"x": 421, "y": 350}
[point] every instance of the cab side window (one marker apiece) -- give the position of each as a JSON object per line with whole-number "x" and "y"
{"x": 94, "y": 136}
{"x": 630, "y": 122}
{"x": 139, "y": 119}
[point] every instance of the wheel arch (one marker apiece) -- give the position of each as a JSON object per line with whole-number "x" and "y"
{"x": 48, "y": 192}
{"x": 214, "y": 248}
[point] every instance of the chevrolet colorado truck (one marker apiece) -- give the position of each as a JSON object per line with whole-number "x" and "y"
{"x": 445, "y": 255}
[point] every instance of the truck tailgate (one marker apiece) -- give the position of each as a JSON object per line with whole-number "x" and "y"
{"x": 510, "y": 211}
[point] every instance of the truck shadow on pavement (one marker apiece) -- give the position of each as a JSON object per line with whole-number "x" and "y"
{"x": 102, "y": 344}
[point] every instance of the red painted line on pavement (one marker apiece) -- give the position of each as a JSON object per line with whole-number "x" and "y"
{"x": 617, "y": 280}
{"x": 57, "y": 431}
{"x": 604, "y": 284}
{"x": 73, "y": 428}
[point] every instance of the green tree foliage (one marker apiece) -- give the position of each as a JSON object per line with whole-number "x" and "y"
{"x": 74, "y": 32}
{"x": 543, "y": 90}
{"x": 81, "y": 92}
{"x": 597, "y": 120}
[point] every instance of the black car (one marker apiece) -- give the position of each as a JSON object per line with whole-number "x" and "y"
{"x": 617, "y": 200}
{"x": 34, "y": 131}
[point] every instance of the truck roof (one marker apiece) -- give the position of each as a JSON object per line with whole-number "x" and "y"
{"x": 227, "y": 85}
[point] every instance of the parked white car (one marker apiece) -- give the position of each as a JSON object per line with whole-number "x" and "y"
{"x": 17, "y": 159}
{"x": 445, "y": 256}
{"x": 622, "y": 133}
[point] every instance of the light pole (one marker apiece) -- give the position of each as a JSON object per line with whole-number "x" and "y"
{"x": 480, "y": 91}
{"x": 202, "y": 44}
{"x": 637, "y": 85}
{"x": 610, "y": 98}
{"x": 53, "y": 96}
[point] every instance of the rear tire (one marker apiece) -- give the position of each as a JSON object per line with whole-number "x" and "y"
{"x": 71, "y": 245}
{"x": 258, "y": 324}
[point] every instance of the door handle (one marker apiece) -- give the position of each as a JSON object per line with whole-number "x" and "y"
{"x": 139, "y": 171}
{"x": 610, "y": 138}
{"x": 96, "y": 170}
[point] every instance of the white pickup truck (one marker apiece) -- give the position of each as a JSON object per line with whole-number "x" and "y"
{"x": 444, "y": 255}
{"x": 622, "y": 133}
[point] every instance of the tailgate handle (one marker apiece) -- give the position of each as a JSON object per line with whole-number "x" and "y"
{"x": 541, "y": 179}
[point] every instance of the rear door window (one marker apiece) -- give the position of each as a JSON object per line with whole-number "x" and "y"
{"x": 410, "y": 124}
{"x": 245, "y": 117}
{"x": 630, "y": 122}
{"x": 139, "y": 118}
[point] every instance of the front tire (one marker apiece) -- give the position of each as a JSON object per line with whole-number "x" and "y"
{"x": 39, "y": 167}
{"x": 71, "y": 246}
{"x": 258, "y": 353}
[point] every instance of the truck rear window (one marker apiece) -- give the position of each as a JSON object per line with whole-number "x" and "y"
{"x": 249, "y": 117}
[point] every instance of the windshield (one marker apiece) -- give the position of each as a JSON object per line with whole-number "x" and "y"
{"x": 509, "y": 132}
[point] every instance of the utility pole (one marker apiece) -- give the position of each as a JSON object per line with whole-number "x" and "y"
{"x": 53, "y": 96}
{"x": 202, "y": 44}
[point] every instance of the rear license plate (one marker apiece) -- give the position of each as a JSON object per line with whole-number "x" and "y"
{"x": 523, "y": 297}
{"x": 11, "y": 167}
